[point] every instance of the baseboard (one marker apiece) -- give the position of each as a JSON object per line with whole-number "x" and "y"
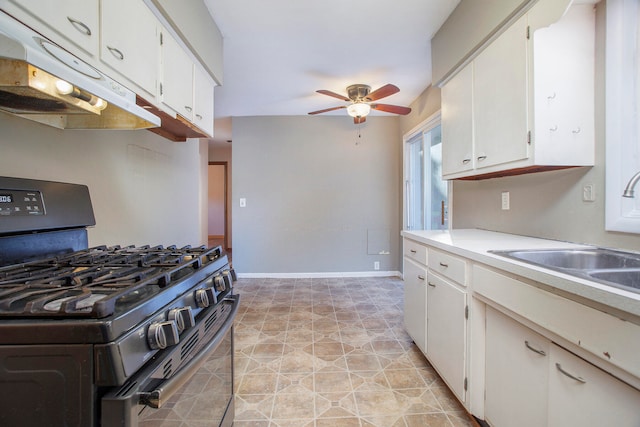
{"x": 327, "y": 275}
{"x": 215, "y": 236}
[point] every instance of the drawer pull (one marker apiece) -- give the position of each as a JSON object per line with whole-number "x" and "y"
{"x": 573, "y": 377}
{"x": 466, "y": 161}
{"x": 481, "y": 158}
{"x": 431, "y": 284}
{"x": 80, "y": 26}
{"x": 413, "y": 251}
{"x": 420, "y": 277}
{"x": 535, "y": 350}
{"x": 116, "y": 53}
{"x": 442, "y": 264}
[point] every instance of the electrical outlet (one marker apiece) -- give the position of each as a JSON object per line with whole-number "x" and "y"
{"x": 376, "y": 265}
{"x": 243, "y": 202}
{"x": 505, "y": 201}
{"x": 588, "y": 193}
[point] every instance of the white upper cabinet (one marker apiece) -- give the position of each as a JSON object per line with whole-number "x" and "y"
{"x": 203, "y": 87}
{"x": 130, "y": 42}
{"x": 457, "y": 123}
{"x": 185, "y": 88}
{"x": 525, "y": 103}
{"x": 176, "y": 88}
{"x": 73, "y": 24}
{"x": 500, "y": 99}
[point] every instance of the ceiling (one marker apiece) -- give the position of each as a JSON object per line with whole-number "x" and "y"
{"x": 277, "y": 53}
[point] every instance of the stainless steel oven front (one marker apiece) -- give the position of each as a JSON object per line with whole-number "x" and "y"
{"x": 187, "y": 385}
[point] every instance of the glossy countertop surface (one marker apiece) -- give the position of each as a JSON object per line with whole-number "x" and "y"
{"x": 475, "y": 245}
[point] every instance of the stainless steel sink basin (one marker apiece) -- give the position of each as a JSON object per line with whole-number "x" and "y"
{"x": 610, "y": 267}
{"x": 626, "y": 278}
{"x": 578, "y": 259}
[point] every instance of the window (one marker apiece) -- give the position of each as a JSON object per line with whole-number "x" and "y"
{"x": 622, "y": 113}
{"x": 426, "y": 194}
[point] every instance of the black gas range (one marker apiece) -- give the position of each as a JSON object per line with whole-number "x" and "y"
{"x": 107, "y": 335}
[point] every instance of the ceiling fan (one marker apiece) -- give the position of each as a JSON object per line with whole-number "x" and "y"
{"x": 361, "y": 99}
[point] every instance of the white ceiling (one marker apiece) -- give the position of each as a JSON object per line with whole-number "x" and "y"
{"x": 277, "y": 53}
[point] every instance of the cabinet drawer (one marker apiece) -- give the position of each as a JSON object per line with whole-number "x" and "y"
{"x": 415, "y": 251}
{"x": 449, "y": 266}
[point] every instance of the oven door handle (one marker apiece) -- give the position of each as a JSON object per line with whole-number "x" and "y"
{"x": 158, "y": 397}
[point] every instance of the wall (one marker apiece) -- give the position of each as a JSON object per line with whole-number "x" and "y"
{"x": 318, "y": 198}
{"x": 547, "y": 204}
{"x": 144, "y": 189}
{"x": 471, "y": 24}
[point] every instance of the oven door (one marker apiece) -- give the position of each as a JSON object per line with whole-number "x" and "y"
{"x": 190, "y": 384}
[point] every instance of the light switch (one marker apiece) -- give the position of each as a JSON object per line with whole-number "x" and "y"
{"x": 243, "y": 202}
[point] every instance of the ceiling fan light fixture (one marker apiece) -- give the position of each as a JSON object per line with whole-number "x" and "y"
{"x": 359, "y": 109}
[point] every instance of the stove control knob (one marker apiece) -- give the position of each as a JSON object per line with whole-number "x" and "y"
{"x": 219, "y": 283}
{"x": 205, "y": 297}
{"x": 162, "y": 335}
{"x": 229, "y": 277}
{"x": 183, "y": 317}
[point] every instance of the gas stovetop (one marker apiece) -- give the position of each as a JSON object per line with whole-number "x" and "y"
{"x": 98, "y": 282}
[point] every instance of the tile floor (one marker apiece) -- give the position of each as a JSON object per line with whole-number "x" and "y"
{"x": 333, "y": 352}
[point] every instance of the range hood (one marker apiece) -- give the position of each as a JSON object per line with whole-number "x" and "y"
{"x": 40, "y": 81}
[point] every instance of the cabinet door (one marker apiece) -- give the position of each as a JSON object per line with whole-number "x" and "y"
{"x": 177, "y": 78}
{"x": 500, "y": 99}
{"x": 62, "y": 21}
{"x": 203, "y": 100}
{"x": 446, "y": 332}
{"x": 582, "y": 395}
{"x": 457, "y": 123}
{"x": 130, "y": 42}
{"x": 415, "y": 302}
{"x": 516, "y": 361}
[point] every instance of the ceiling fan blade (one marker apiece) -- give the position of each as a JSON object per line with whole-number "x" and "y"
{"x": 382, "y": 92}
{"x": 358, "y": 120}
{"x": 335, "y": 95}
{"x": 395, "y": 109}
{"x": 327, "y": 109}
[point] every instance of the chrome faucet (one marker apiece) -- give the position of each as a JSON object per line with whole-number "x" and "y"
{"x": 628, "y": 191}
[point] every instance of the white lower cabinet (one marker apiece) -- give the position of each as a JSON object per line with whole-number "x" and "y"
{"x": 583, "y": 395}
{"x": 415, "y": 302}
{"x": 530, "y": 381}
{"x": 516, "y": 368}
{"x": 446, "y": 332}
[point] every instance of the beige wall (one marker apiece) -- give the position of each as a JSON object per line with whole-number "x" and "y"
{"x": 145, "y": 189}
{"x": 319, "y": 198}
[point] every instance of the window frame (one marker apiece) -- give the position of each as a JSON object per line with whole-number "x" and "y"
{"x": 423, "y": 127}
{"x": 622, "y": 126}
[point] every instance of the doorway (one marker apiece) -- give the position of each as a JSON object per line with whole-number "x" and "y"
{"x": 217, "y": 222}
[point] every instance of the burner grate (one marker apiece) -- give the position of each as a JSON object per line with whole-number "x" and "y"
{"x": 93, "y": 282}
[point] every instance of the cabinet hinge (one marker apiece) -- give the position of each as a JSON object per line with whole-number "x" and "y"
{"x": 466, "y": 312}
{"x": 466, "y": 383}
{"x": 161, "y": 39}
{"x": 160, "y": 88}
{"x": 528, "y": 32}
{"x": 529, "y": 137}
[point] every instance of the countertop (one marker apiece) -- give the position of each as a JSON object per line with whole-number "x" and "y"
{"x": 474, "y": 244}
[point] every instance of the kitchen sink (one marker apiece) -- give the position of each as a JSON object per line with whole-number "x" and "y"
{"x": 607, "y": 266}
{"x": 579, "y": 259}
